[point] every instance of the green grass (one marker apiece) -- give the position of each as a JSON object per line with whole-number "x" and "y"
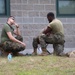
{"x": 37, "y": 65}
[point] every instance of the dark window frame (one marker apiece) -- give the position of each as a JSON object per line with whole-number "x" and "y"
{"x": 62, "y": 15}
{"x": 7, "y": 9}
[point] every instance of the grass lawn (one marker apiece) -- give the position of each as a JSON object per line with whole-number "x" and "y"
{"x": 37, "y": 65}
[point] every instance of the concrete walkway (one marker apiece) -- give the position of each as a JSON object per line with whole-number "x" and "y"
{"x": 29, "y": 51}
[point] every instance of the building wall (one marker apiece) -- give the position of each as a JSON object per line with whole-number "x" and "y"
{"x": 31, "y": 16}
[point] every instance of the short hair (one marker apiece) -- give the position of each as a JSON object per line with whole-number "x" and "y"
{"x": 10, "y": 17}
{"x": 50, "y": 14}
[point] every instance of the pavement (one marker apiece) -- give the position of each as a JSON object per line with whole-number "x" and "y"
{"x": 39, "y": 51}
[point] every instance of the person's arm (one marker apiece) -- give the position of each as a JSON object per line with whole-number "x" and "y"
{"x": 47, "y": 30}
{"x": 14, "y": 39}
{"x": 17, "y": 30}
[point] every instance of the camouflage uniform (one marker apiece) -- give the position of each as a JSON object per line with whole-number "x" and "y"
{"x": 35, "y": 42}
{"x": 56, "y": 38}
{"x": 12, "y": 46}
{"x": 57, "y": 41}
{"x": 8, "y": 45}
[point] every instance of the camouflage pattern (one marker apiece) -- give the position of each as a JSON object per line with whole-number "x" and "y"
{"x": 56, "y": 39}
{"x": 19, "y": 38}
{"x": 12, "y": 46}
{"x": 58, "y": 49}
{"x": 35, "y": 42}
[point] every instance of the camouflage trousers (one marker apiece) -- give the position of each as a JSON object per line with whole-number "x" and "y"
{"x": 55, "y": 39}
{"x": 12, "y": 46}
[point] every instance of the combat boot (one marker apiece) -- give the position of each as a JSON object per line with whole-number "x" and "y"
{"x": 44, "y": 52}
{"x": 35, "y": 52}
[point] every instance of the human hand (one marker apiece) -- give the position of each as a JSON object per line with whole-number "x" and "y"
{"x": 48, "y": 34}
{"x": 16, "y": 25}
{"x": 23, "y": 44}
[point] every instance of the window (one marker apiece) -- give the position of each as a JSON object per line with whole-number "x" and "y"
{"x": 65, "y": 8}
{"x": 4, "y": 8}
